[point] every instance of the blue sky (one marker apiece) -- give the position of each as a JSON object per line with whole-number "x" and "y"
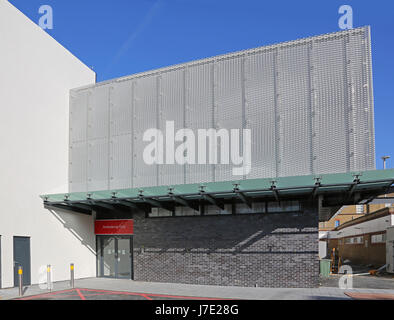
{"x": 122, "y": 37}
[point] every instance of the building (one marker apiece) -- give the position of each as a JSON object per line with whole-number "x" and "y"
{"x": 123, "y": 212}
{"x": 344, "y": 214}
{"x": 363, "y": 240}
{"x": 164, "y": 214}
{"x": 36, "y": 76}
{"x": 347, "y": 214}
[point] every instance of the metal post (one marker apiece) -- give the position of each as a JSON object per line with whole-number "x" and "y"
{"x": 49, "y": 284}
{"x": 20, "y": 273}
{"x": 72, "y": 275}
{"x": 385, "y": 158}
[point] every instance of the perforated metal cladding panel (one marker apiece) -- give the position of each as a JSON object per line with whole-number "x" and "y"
{"x": 98, "y": 113}
{"x": 293, "y": 110}
{"x": 308, "y": 104}
{"x": 78, "y": 176}
{"x": 228, "y": 109}
{"x": 78, "y": 116}
{"x": 260, "y": 104}
{"x": 78, "y": 158}
{"x": 121, "y": 164}
{"x": 121, "y": 138}
{"x": 199, "y": 113}
{"x": 329, "y": 95}
{"x": 145, "y": 117}
{"x": 98, "y": 164}
{"x": 361, "y": 128}
{"x": 121, "y": 108}
{"x": 171, "y": 108}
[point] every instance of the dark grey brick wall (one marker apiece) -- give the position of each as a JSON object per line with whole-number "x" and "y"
{"x": 270, "y": 250}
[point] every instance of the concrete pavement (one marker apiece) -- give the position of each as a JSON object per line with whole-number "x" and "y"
{"x": 322, "y": 293}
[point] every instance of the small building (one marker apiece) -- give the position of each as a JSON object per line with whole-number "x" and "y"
{"x": 348, "y": 213}
{"x": 362, "y": 240}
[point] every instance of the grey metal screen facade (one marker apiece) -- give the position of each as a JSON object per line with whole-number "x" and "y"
{"x": 308, "y": 104}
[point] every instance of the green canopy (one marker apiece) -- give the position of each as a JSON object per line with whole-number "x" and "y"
{"x": 336, "y": 190}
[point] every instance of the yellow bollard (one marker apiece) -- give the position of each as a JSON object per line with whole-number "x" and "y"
{"x": 20, "y": 273}
{"x": 49, "y": 284}
{"x": 72, "y": 275}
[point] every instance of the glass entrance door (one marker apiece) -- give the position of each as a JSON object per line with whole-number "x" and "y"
{"x": 123, "y": 258}
{"x": 115, "y": 256}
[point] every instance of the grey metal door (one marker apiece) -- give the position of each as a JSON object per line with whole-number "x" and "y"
{"x": 22, "y": 258}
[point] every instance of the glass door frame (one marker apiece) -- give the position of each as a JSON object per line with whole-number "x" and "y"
{"x": 100, "y": 258}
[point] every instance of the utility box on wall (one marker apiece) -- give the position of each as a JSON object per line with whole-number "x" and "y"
{"x": 308, "y": 104}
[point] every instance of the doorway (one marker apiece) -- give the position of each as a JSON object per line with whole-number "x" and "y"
{"x": 115, "y": 257}
{"x": 22, "y": 259}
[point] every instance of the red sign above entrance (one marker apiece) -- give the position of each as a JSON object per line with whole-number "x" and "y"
{"x": 113, "y": 227}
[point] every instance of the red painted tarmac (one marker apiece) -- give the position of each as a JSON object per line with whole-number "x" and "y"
{"x": 96, "y": 294}
{"x": 370, "y": 296}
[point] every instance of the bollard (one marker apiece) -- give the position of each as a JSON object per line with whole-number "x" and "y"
{"x": 72, "y": 275}
{"x": 20, "y": 273}
{"x": 49, "y": 283}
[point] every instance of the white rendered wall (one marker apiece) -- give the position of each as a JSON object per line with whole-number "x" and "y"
{"x": 36, "y": 74}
